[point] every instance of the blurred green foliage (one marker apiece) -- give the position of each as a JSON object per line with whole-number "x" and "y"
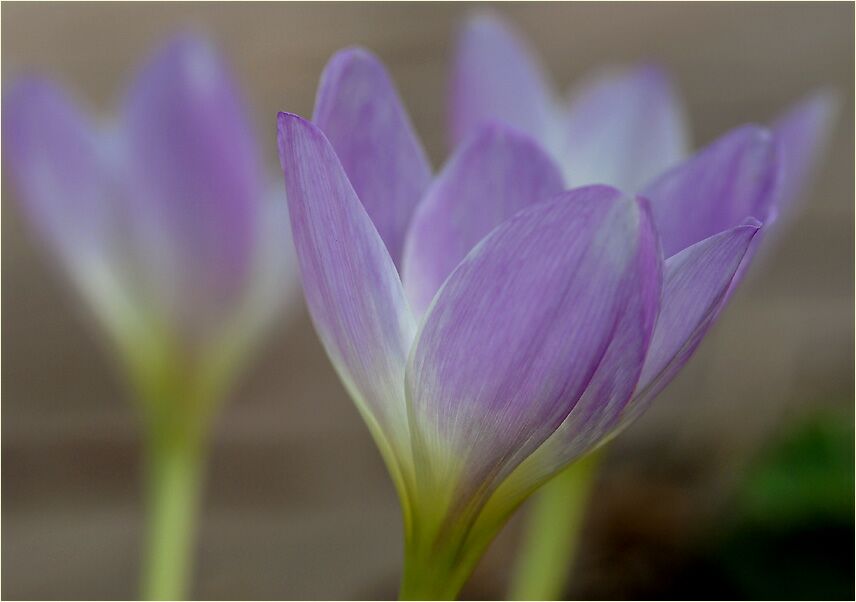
{"x": 793, "y": 528}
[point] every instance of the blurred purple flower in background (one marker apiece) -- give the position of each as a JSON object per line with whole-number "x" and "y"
{"x": 163, "y": 218}
{"x": 169, "y": 229}
{"x": 622, "y": 127}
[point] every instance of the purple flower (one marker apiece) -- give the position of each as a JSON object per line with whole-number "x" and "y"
{"x": 168, "y": 228}
{"x": 627, "y": 128}
{"x": 490, "y": 326}
{"x": 622, "y": 127}
{"x": 163, "y": 218}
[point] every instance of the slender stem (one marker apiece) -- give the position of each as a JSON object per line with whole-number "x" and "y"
{"x": 437, "y": 560}
{"x": 552, "y": 533}
{"x": 430, "y": 579}
{"x": 173, "y": 477}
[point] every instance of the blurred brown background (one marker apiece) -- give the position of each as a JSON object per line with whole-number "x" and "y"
{"x": 298, "y": 504}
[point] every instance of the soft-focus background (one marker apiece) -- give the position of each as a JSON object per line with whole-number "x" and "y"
{"x": 740, "y": 478}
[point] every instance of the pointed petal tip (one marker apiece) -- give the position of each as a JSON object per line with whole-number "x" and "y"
{"x": 824, "y": 102}
{"x": 753, "y": 132}
{"x": 804, "y": 130}
{"x": 353, "y": 54}
{"x": 748, "y": 229}
{"x": 358, "y": 108}
{"x": 189, "y": 40}
{"x": 284, "y": 118}
{"x": 485, "y": 17}
{"x": 22, "y": 92}
{"x": 341, "y": 65}
{"x": 289, "y": 122}
{"x": 488, "y": 25}
{"x": 27, "y": 83}
{"x": 494, "y": 130}
{"x": 35, "y": 103}
{"x": 751, "y": 223}
{"x": 651, "y": 72}
{"x": 192, "y": 54}
{"x": 29, "y": 90}
{"x": 497, "y": 74}
{"x": 290, "y": 126}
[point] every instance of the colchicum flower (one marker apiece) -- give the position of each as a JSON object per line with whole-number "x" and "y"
{"x": 626, "y": 127}
{"x": 622, "y": 127}
{"x": 171, "y": 233}
{"x": 491, "y": 325}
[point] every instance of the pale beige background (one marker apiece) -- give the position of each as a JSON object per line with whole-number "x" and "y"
{"x": 298, "y": 504}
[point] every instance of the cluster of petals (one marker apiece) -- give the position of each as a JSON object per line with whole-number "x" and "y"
{"x": 498, "y": 319}
{"x": 162, "y": 217}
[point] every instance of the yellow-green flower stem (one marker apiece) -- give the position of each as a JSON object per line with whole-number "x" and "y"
{"x": 552, "y": 532}
{"x": 177, "y": 400}
{"x": 431, "y": 574}
{"x": 443, "y": 544}
{"x": 174, "y": 459}
{"x": 437, "y": 562}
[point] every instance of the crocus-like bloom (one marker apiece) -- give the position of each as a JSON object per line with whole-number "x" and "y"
{"x": 491, "y": 325}
{"x": 622, "y": 127}
{"x": 163, "y": 218}
{"x": 171, "y": 233}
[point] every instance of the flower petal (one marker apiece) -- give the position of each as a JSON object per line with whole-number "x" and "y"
{"x": 695, "y": 286}
{"x": 611, "y": 387}
{"x": 351, "y": 286}
{"x": 697, "y": 282}
{"x": 361, "y": 114}
{"x": 496, "y": 78}
{"x": 67, "y": 183}
{"x": 194, "y": 178}
{"x": 518, "y": 330}
{"x": 53, "y": 152}
{"x": 498, "y": 172}
{"x": 273, "y": 287}
{"x": 624, "y": 129}
{"x": 736, "y": 177}
{"x": 802, "y": 133}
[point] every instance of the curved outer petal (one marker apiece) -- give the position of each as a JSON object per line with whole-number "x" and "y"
{"x": 498, "y": 172}
{"x": 802, "y": 133}
{"x": 495, "y": 77}
{"x": 517, "y": 332}
{"x": 351, "y": 286}
{"x": 697, "y": 282}
{"x": 735, "y": 177}
{"x": 695, "y": 285}
{"x": 624, "y": 129}
{"x": 59, "y": 163}
{"x": 195, "y": 180}
{"x": 611, "y": 387}
{"x": 53, "y": 152}
{"x": 361, "y": 114}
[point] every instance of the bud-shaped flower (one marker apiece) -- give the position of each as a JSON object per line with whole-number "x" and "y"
{"x": 167, "y": 226}
{"x": 162, "y": 218}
